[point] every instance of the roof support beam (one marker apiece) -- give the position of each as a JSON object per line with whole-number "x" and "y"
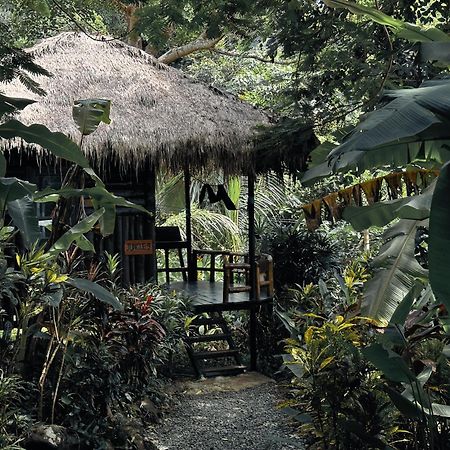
{"x": 192, "y": 272}
{"x": 252, "y": 261}
{"x": 149, "y": 225}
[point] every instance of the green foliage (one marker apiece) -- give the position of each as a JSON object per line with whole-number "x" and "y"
{"x": 396, "y": 271}
{"x": 148, "y": 333}
{"x": 413, "y": 126}
{"x": 410, "y": 356}
{"x": 27, "y": 21}
{"x": 334, "y": 391}
{"x": 98, "y": 291}
{"x": 9, "y": 105}
{"x": 15, "y": 63}
{"x": 355, "y": 387}
{"x": 52, "y": 299}
{"x": 13, "y": 418}
{"x": 402, "y": 29}
{"x": 299, "y": 256}
{"x": 257, "y": 82}
{"x": 89, "y": 113}
{"x": 23, "y": 214}
{"x": 382, "y": 213}
{"x": 172, "y": 23}
{"x": 57, "y": 143}
{"x": 210, "y": 229}
{"x": 113, "y": 360}
{"x": 439, "y": 237}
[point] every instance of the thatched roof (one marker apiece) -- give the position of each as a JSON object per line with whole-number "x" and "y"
{"x": 157, "y": 112}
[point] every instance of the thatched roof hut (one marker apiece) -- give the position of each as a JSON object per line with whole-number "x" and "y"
{"x": 157, "y": 112}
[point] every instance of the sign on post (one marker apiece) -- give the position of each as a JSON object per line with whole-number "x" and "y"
{"x": 139, "y": 247}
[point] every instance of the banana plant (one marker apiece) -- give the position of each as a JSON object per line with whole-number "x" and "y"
{"x": 414, "y": 320}
{"x": 412, "y": 128}
{"x": 18, "y": 197}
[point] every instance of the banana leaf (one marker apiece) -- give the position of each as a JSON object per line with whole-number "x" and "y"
{"x": 74, "y": 234}
{"x": 57, "y": 143}
{"x": 439, "y": 240}
{"x": 396, "y": 271}
{"x": 391, "y": 364}
{"x": 382, "y": 213}
{"x": 402, "y": 29}
{"x": 414, "y": 126}
{"x": 378, "y": 214}
{"x": 395, "y": 133}
{"x": 24, "y": 215}
{"x": 97, "y": 291}
{"x": 89, "y": 113}
{"x": 12, "y": 189}
{"x": 10, "y": 104}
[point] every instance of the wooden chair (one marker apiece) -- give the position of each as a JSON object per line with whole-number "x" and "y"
{"x": 264, "y": 275}
{"x": 241, "y": 271}
{"x": 217, "y": 259}
{"x": 167, "y": 239}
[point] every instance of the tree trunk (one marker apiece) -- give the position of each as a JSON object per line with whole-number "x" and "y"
{"x": 134, "y": 39}
{"x": 184, "y": 50}
{"x": 129, "y": 11}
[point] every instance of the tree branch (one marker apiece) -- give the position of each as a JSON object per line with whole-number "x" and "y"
{"x": 243, "y": 55}
{"x": 179, "y": 52}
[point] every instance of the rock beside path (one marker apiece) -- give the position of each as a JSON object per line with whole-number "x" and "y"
{"x": 227, "y": 413}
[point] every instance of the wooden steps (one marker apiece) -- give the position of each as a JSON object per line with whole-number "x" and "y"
{"x": 212, "y": 330}
{"x": 222, "y": 371}
{"x": 216, "y": 354}
{"x": 208, "y": 338}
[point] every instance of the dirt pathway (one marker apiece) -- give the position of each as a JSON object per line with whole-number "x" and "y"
{"x": 233, "y": 413}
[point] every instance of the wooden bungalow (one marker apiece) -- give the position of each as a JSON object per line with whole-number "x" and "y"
{"x": 160, "y": 120}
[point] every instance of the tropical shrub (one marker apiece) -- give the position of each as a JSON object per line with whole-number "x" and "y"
{"x": 162, "y": 313}
{"x": 412, "y": 356}
{"x": 334, "y": 394}
{"x": 359, "y": 385}
{"x": 108, "y": 361}
{"x": 299, "y": 256}
{"x": 14, "y": 418}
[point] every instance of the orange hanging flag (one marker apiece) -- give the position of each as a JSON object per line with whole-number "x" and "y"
{"x": 334, "y": 208}
{"x": 313, "y": 214}
{"x": 394, "y": 183}
{"x": 372, "y": 190}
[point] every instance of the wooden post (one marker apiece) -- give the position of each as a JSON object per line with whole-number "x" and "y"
{"x": 149, "y": 225}
{"x": 192, "y": 273}
{"x": 252, "y": 261}
{"x": 140, "y": 260}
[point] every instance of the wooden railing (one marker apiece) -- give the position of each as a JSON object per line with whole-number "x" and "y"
{"x": 235, "y": 268}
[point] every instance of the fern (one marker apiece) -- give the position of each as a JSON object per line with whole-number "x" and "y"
{"x": 16, "y": 63}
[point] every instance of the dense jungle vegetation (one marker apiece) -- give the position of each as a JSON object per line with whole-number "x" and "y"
{"x": 360, "y": 240}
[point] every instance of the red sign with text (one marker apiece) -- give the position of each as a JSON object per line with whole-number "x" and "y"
{"x": 141, "y": 247}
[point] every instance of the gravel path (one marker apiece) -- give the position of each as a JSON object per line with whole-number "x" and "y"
{"x": 236, "y": 420}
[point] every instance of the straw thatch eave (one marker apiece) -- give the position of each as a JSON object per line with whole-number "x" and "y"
{"x": 158, "y": 114}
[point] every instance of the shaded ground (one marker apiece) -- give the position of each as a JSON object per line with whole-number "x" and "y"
{"x": 227, "y": 414}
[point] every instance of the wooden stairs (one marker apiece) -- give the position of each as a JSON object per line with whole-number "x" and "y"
{"x": 213, "y": 331}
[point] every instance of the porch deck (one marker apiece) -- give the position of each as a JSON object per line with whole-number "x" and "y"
{"x": 208, "y": 296}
